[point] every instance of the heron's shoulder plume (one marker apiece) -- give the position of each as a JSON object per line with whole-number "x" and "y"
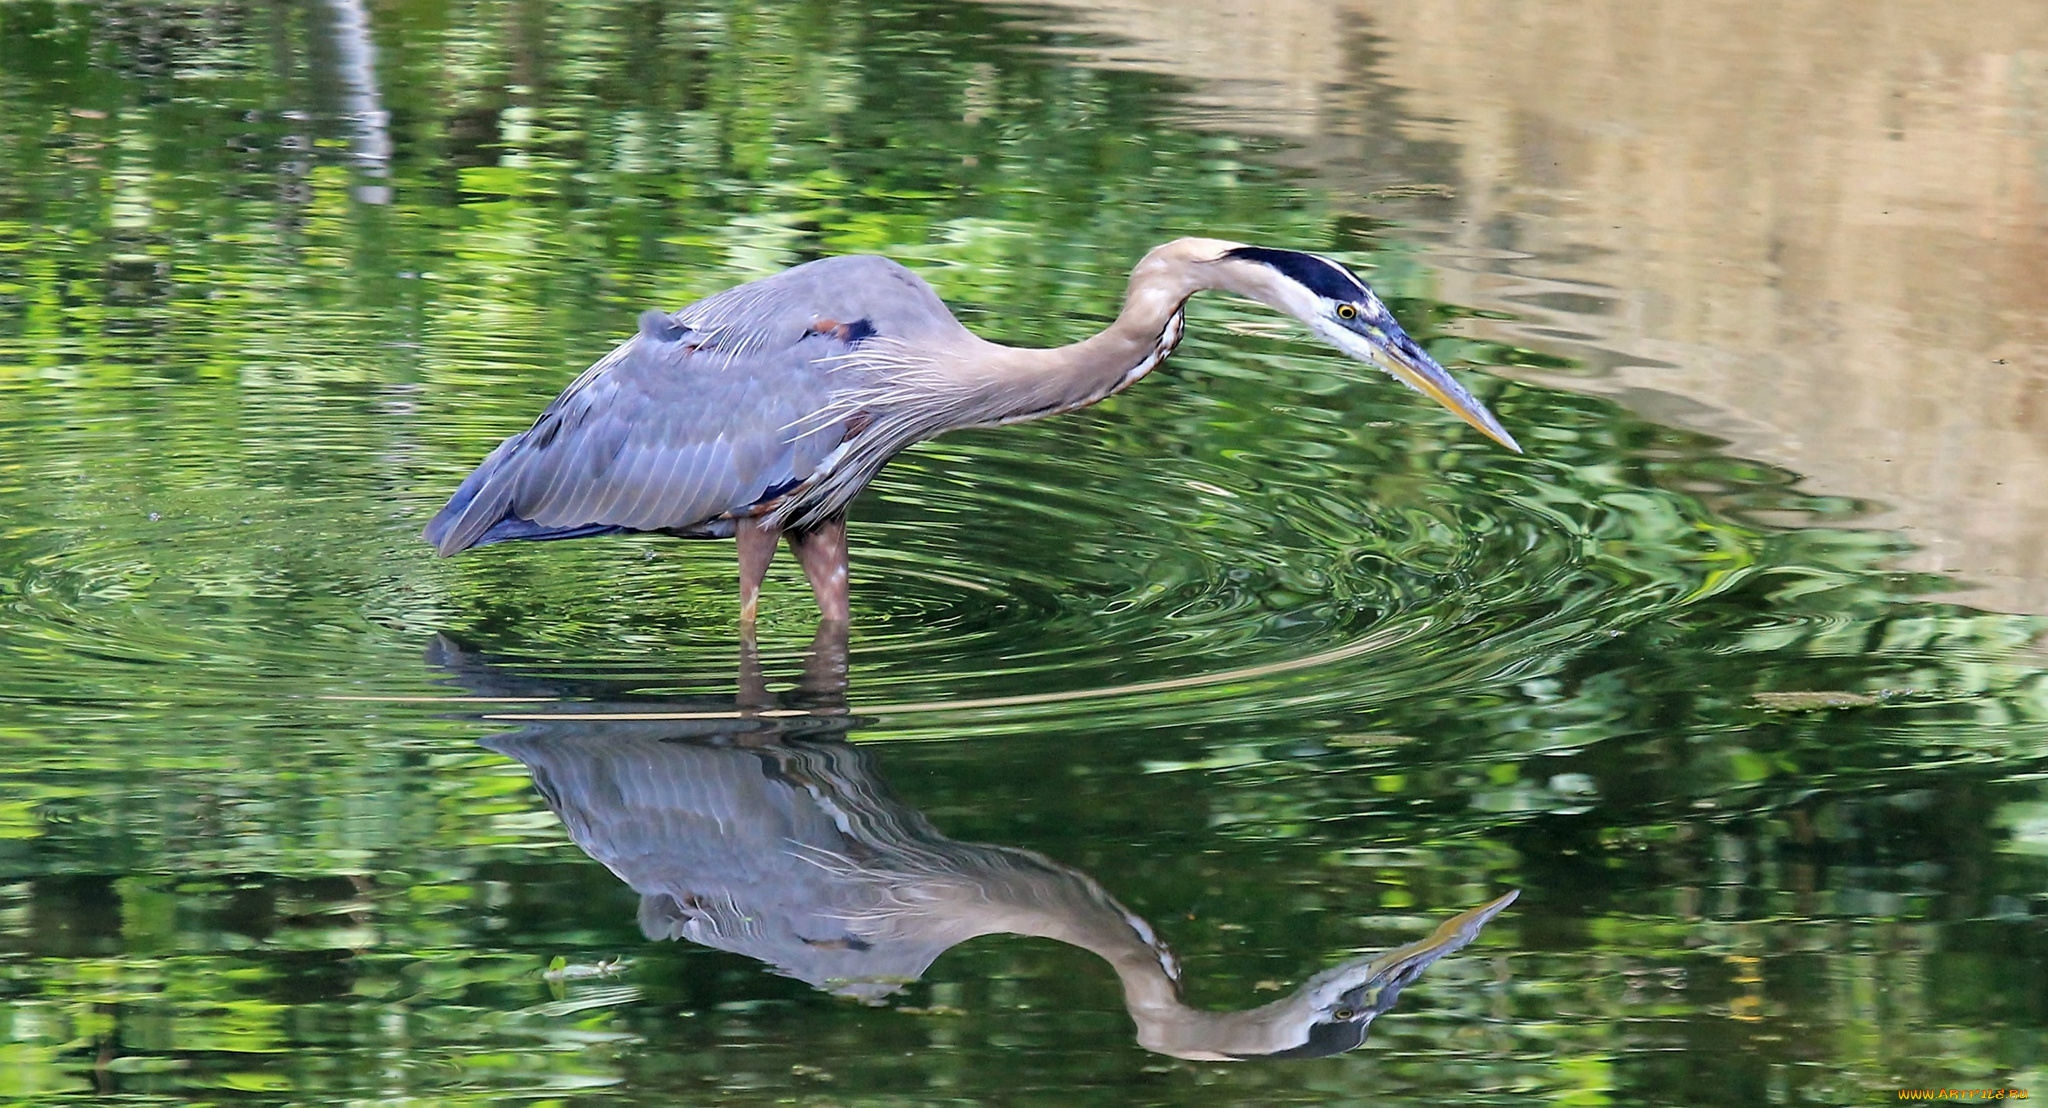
{"x": 1314, "y": 272}
{"x": 658, "y": 326}
{"x": 867, "y": 294}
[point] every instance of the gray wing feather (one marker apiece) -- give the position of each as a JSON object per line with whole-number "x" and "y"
{"x": 752, "y": 850}
{"x": 701, "y": 413}
{"x": 645, "y": 441}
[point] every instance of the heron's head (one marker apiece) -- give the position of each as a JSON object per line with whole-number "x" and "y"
{"x": 1339, "y": 307}
{"x": 1333, "y": 1010}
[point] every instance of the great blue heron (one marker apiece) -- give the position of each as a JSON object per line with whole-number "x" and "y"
{"x": 764, "y": 410}
{"x": 768, "y": 836}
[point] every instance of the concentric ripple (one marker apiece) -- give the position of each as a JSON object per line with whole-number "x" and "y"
{"x": 1261, "y": 530}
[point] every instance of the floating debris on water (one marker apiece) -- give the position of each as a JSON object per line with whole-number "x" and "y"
{"x": 1816, "y": 701}
{"x": 561, "y": 969}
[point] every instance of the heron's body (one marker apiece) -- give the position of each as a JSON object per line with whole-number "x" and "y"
{"x": 763, "y": 411}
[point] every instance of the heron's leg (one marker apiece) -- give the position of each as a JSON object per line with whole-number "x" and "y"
{"x": 757, "y": 549}
{"x": 822, "y": 552}
{"x": 824, "y": 679}
{"x": 753, "y": 694}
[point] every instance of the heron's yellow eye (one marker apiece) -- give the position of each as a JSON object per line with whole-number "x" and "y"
{"x": 1345, "y": 1013}
{"x": 1346, "y": 311}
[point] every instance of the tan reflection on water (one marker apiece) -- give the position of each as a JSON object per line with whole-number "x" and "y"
{"x": 1817, "y": 229}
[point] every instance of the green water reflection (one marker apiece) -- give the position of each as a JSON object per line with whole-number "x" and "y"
{"x": 1278, "y": 652}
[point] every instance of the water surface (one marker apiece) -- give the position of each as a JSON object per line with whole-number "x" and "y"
{"x": 1288, "y": 663}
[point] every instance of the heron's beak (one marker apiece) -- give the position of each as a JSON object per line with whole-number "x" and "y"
{"x": 1385, "y": 976}
{"x": 1386, "y": 345}
{"x": 1356, "y": 993}
{"x": 1401, "y": 965}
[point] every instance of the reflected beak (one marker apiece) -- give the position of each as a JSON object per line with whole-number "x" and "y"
{"x": 1360, "y": 991}
{"x": 1391, "y": 972}
{"x": 1401, "y": 965}
{"x": 1390, "y": 348}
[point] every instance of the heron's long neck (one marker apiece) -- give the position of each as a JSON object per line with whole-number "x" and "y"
{"x": 1097, "y": 924}
{"x": 1152, "y": 996}
{"x": 989, "y": 890}
{"x": 1019, "y": 383}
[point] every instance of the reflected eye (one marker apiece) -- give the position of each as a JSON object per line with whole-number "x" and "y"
{"x": 1346, "y": 311}
{"x": 1344, "y": 1014}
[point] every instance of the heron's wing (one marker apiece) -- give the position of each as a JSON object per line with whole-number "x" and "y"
{"x": 671, "y": 429}
{"x": 754, "y": 850}
{"x": 725, "y": 404}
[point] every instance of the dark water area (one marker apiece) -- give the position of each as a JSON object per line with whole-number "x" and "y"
{"x": 1268, "y": 654}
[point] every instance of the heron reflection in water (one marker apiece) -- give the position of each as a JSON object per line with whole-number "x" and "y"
{"x": 762, "y": 412}
{"x": 774, "y": 838}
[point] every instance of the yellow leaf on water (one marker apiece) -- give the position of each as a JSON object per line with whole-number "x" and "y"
{"x": 1815, "y": 701}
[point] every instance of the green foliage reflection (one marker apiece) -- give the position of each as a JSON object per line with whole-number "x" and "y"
{"x": 231, "y": 389}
